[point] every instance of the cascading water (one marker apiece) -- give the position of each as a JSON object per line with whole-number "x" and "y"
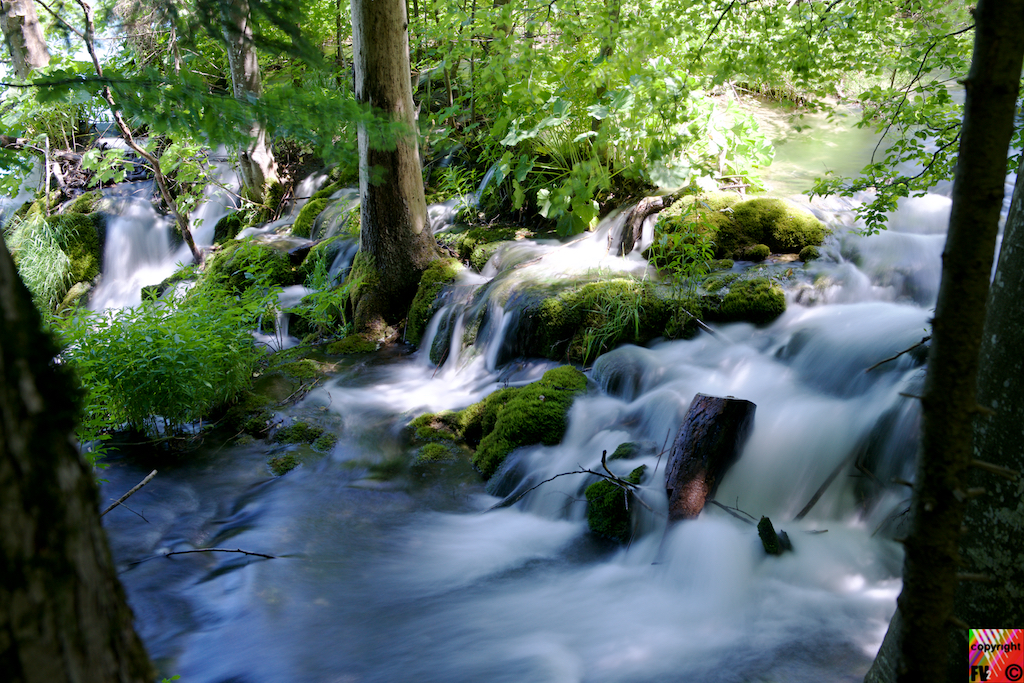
{"x": 418, "y": 578}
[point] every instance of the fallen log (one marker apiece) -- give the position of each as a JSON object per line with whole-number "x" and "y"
{"x": 707, "y": 444}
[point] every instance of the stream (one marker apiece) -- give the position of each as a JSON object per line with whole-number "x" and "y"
{"x": 417, "y": 578}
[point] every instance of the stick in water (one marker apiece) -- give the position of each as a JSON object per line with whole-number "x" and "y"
{"x": 125, "y": 496}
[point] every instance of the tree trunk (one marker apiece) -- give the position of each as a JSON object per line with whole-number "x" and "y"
{"x": 708, "y": 443}
{"x": 992, "y": 543}
{"x": 949, "y": 404}
{"x": 63, "y": 614}
{"x": 24, "y": 36}
{"x": 256, "y": 162}
{"x": 623, "y": 242}
{"x": 396, "y": 242}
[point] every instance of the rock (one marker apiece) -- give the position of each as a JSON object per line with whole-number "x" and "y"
{"x": 707, "y": 444}
{"x": 440, "y": 273}
{"x": 758, "y": 301}
{"x": 774, "y": 543}
{"x": 303, "y": 225}
{"x": 607, "y": 511}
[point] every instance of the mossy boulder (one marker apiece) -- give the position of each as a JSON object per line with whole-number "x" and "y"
{"x": 607, "y": 511}
{"x": 758, "y": 300}
{"x": 323, "y": 252}
{"x": 245, "y": 262}
{"x": 87, "y": 202}
{"x": 756, "y": 253}
{"x": 80, "y": 237}
{"x": 626, "y": 451}
{"x": 507, "y": 419}
{"x": 303, "y": 225}
{"x": 465, "y": 240}
{"x": 76, "y": 296}
{"x": 353, "y": 343}
{"x": 441, "y": 272}
{"x": 436, "y": 452}
{"x": 298, "y": 432}
{"x": 283, "y": 464}
{"x": 809, "y": 253}
{"x": 228, "y": 227}
{"x": 733, "y": 227}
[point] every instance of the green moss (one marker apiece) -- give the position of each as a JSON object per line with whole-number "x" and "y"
{"x": 79, "y": 237}
{"x": 482, "y": 254}
{"x": 243, "y": 263}
{"x": 757, "y": 300}
{"x": 325, "y": 442}
{"x": 720, "y": 264}
{"x": 809, "y": 253}
{"x": 535, "y": 413}
{"x": 303, "y": 225}
{"x": 464, "y": 240}
{"x": 435, "y": 452}
{"x": 783, "y": 226}
{"x": 607, "y": 514}
{"x": 298, "y": 432}
{"x": 228, "y": 226}
{"x": 717, "y": 282}
{"x": 283, "y": 464}
{"x": 327, "y": 190}
{"x": 626, "y": 451}
{"x": 441, "y": 272}
{"x": 250, "y": 414}
{"x": 756, "y": 253}
{"x": 273, "y": 195}
{"x": 322, "y": 252}
{"x": 302, "y": 370}
{"x": 353, "y": 343}
{"x": 84, "y": 203}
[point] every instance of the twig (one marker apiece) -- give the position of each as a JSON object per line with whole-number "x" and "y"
{"x": 824, "y": 486}
{"x": 732, "y": 511}
{"x": 125, "y": 496}
{"x": 907, "y": 350}
{"x": 220, "y": 550}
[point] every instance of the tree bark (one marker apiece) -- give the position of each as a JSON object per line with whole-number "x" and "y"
{"x": 256, "y": 162}
{"x": 708, "y": 443}
{"x": 623, "y": 243}
{"x": 63, "y": 614}
{"x": 395, "y": 239}
{"x": 949, "y": 403}
{"x": 992, "y": 543}
{"x": 24, "y": 36}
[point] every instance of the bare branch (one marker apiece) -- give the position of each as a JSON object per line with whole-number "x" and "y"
{"x": 127, "y": 495}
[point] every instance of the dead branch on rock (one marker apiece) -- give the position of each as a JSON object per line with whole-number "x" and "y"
{"x": 221, "y": 550}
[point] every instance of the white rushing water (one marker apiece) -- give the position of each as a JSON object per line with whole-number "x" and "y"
{"x": 417, "y": 579}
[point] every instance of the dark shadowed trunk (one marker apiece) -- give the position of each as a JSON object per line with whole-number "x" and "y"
{"x": 932, "y": 566}
{"x": 63, "y": 615}
{"x": 395, "y": 243}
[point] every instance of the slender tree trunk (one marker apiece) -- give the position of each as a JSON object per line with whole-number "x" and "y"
{"x": 992, "y": 544}
{"x": 63, "y": 614}
{"x": 395, "y": 242}
{"x": 932, "y": 563}
{"x": 256, "y": 162}
{"x": 24, "y": 36}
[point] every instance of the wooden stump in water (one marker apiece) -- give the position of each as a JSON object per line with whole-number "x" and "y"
{"x": 708, "y": 443}
{"x": 623, "y": 243}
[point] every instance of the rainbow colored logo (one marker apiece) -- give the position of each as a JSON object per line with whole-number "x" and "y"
{"x": 996, "y": 655}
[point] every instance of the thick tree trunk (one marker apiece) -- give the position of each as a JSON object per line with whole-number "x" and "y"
{"x": 396, "y": 242}
{"x": 932, "y": 562}
{"x": 63, "y": 614}
{"x": 708, "y": 443}
{"x": 24, "y": 36}
{"x": 992, "y": 544}
{"x": 256, "y": 162}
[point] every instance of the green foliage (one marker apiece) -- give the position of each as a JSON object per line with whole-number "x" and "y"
{"x": 54, "y": 252}
{"x": 245, "y": 263}
{"x": 158, "y": 366}
{"x": 683, "y": 244}
{"x": 608, "y": 506}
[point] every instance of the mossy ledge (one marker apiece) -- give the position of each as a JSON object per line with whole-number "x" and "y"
{"x": 507, "y": 419}
{"x": 440, "y": 273}
{"x": 607, "y": 514}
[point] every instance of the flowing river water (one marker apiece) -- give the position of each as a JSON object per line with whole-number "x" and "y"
{"x": 416, "y": 577}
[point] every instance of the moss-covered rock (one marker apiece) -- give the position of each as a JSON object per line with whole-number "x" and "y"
{"x": 464, "y": 240}
{"x": 607, "y": 513}
{"x": 435, "y": 452}
{"x": 441, "y": 272}
{"x": 323, "y": 252}
{"x": 809, "y": 253}
{"x": 758, "y": 300}
{"x": 507, "y": 419}
{"x": 87, "y": 202}
{"x": 353, "y": 343}
{"x": 250, "y": 414}
{"x": 79, "y": 236}
{"x": 180, "y": 275}
{"x": 298, "y": 432}
{"x": 626, "y": 451}
{"x": 245, "y": 262}
{"x": 283, "y": 464}
{"x": 325, "y": 442}
{"x": 228, "y": 227}
{"x": 733, "y": 227}
{"x": 303, "y": 370}
{"x": 76, "y": 296}
{"x": 482, "y": 254}
{"x": 756, "y": 253}
{"x": 303, "y": 225}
